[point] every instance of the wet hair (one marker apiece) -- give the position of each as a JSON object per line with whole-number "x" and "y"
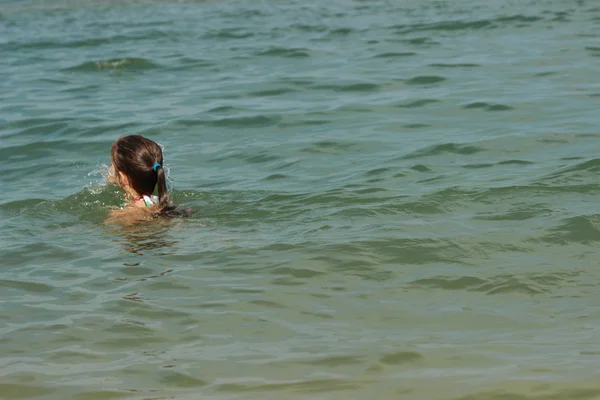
{"x": 135, "y": 156}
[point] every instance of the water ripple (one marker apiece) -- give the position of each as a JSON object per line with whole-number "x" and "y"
{"x": 385, "y": 194}
{"x": 133, "y": 64}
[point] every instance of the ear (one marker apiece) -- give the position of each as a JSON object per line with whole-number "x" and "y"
{"x": 123, "y": 181}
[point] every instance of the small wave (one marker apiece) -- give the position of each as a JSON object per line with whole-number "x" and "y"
{"x": 272, "y": 92}
{"x": 517, "y": 214}
{"x": 515, "y": 20}
{"x": 421, "y": 41}
{"x": 229, "y": 33}
{"x": 256, "y": 121}
{"x": 132, "y": 64}
{"x": 358, "y": 87}
{"x": 245, "y": 13}
{"x": 478, "y": 166}
{"x": 285, "y": 52}
{"x": 40, "y": 128}
{"x": 376, "y": 171}
{"x": 498, "y": 194}
{"x": 91, "y": 205}
{"x": 561, "y": 16}
{"x": 224, "y": 109}
{"x": 400, "y": 357}
{"x": 335, "y": 361}
{"x": 311, "y": 386}
{"x": 396, "y": 54}
{"x": 418, "y": 103}
{"x": 190, "y": 61}
{"x": 444, "y": 26}
{"x": 458, "y": 65}
{"x": 189, "y": 64}
{"x": 581, "y": 229}
{"x": 328, "y": 146}
{"x": 274, "y": 177}
{"x": 304, "y": 28}
{"x": 594, "y": 51}
{"x": 22, "y": 254}
{"x": 451, "y": 148}
{"x": 17, "y": 207}
{"x": 393, "y": 251}
{"x": 304, "y": 122}
{"x": 530, "y": 284}
{"x": 252, "y": 158}
{"x": 515, "y": 162}
{"x": 425, "y": 80}
{"x": 45, "y": 44}
{"x": 81, "y": 89}
{"x": 301, "y": 273}
{"x": 488, "y": 107}
{"x": 421, "y": 168}
{"x": 551, "y": 392}
{"x": 585, "y": 167}
{"x": 416, "y": 126}
{"x": 590, "y": 165}
{"x": 89, "y": 42}
{"x": 342, "y": 31}
{"x": 519, "y": 18}
{"x": 547, "y": 73}
{"x": 31, "y": 287}
{"x": 301, "y": 82}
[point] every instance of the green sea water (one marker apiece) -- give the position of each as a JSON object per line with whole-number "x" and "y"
{"x": 392, "y": 200}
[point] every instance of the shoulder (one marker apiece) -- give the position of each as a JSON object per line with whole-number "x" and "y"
{"x": 129, "y": 215}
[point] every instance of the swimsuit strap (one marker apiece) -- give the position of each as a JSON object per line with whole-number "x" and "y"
{"x": 147, "y": 200}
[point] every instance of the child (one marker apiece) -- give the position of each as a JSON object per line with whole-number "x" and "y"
{"x": 136, "y": 165}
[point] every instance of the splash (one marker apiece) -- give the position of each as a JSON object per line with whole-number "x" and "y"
{"x": 99, "y": 178}
{"x": 167, "y": 169}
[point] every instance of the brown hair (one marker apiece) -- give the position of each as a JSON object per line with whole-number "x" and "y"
{"x": 135, "y": 156}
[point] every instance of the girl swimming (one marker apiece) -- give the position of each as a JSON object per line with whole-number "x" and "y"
{"x": 136, "y": 165}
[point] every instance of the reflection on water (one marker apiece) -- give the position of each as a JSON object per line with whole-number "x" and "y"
{"x": 147, "y": 237}
{"x": 144, "y": 278}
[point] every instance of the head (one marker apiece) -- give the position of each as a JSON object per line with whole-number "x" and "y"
{"x": 134, "y": 158}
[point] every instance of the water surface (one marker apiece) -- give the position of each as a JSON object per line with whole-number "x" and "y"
{"x": 393, "y": 200}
